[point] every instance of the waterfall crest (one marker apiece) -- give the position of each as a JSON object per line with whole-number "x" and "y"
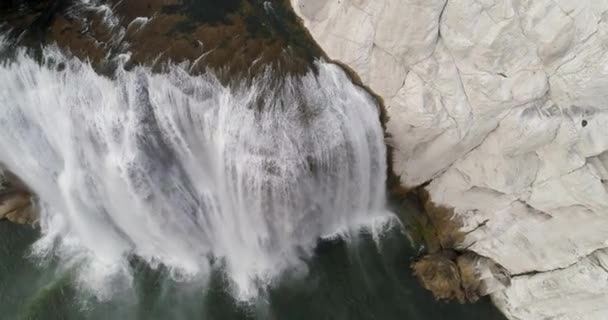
{"x": 186, "y": 172}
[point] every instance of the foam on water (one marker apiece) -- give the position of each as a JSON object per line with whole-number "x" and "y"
{"x": 185, "y": 172}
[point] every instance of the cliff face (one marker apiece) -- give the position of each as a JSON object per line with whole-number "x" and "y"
{"x": 501, "y": 105}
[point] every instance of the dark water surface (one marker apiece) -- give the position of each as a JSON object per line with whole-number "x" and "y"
{"x": 366, "y": 280}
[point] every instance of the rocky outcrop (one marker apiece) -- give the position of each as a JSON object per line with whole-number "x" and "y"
{"x": 440, "y": 274}
{"x": 463, "y": 277}
{"x": 500, "y": 105}
{"x": 16, "y": 203}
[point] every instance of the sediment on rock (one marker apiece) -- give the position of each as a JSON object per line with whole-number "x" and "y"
{"x": 442, "y": 219}
{"x": 447, "y": 269}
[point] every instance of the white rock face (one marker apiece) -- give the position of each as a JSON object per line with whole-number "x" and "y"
{"x": 503, "y": 104}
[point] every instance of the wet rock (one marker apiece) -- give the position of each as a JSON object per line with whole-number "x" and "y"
{"x": 440, "y": 274}
{"x": 443, "y": 221}
{"x": 460, "y": 276}
{"x": 16, "y": 203}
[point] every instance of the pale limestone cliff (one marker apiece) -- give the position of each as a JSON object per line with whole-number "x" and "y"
{"x": 503, "y": 106}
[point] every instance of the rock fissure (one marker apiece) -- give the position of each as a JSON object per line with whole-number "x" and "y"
{"x": 532, "y": 273}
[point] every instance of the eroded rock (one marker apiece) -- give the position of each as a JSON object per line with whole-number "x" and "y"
{"x": 461, "y": 276}
{"x": 440, "y": 274}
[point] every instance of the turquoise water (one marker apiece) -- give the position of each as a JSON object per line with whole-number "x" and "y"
{"x": 362, "y": 280}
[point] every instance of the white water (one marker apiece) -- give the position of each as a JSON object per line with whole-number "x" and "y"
{"x": 177, "y": 169}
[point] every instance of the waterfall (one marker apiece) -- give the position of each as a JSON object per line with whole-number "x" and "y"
{"x": 186, "y": 172}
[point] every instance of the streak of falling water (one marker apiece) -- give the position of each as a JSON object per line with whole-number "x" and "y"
{"x": 185, "y": 172}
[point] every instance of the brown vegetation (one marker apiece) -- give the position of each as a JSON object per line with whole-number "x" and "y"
{"x": 447, "y": 270}
{"x": 244, "y": 39}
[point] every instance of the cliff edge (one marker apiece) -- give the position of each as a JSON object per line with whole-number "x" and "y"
{"x": 500, "y": 107}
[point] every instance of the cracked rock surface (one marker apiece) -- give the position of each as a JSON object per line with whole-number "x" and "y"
{"x": 503, "y": 106}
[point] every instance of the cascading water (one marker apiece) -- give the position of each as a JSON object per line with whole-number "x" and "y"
{"x": 185, "y": 172}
